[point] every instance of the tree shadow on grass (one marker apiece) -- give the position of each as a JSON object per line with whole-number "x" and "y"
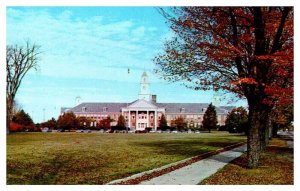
{"x": 186, "y": 148}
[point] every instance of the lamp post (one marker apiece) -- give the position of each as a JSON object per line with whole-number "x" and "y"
{"x": 44, "y": 114}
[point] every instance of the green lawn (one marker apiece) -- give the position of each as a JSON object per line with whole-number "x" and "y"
{"x": 73, "y": 158}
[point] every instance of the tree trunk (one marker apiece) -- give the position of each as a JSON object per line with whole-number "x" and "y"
{"x": 9, "y": 108}
{"x": 262, "y": 135}
{"x": 257, "y": 127}
{"x": 253, "y": 146}
{"x": 270, "y": 126}
{"x": 274, "y": 130}
{"x": 265, "y": 131}
{"x": 8, "y": 119}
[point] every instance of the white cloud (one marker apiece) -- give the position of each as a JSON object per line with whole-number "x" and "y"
{"x": 79, "y": 47}
{"x": 138, "y": 32}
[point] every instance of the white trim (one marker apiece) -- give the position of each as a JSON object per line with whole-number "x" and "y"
{"x": 129, "y": 125}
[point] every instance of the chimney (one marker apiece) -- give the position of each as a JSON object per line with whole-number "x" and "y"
{"x": 153, "y": 98}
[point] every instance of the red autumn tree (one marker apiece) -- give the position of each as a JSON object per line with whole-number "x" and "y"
{"x": 105, "y": 123}
{"x": 67, "y": 121}
{"x": 244, "y": 50}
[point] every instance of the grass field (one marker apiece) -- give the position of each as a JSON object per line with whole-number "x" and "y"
{"x": 72, "y": 158}
{"x": 276, "y": 167}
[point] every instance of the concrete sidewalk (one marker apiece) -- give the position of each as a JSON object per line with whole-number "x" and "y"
{"x": 198, "y": 171}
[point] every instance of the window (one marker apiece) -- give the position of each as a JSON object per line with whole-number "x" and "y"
{"x": 104, "y": 109}
{"x": 83, "y": 109}
{"x": 182, "y": 110}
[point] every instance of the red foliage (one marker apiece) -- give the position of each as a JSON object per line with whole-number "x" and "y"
{"x": 245, "y": 50}
{"x": 14, "y": 127}
{"x": 105, "y": 123}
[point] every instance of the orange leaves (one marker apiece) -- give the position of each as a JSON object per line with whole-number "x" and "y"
{"x": 241, "y": 81}
{"x": 283, "y": 96}
{"x": 188, "y": 23}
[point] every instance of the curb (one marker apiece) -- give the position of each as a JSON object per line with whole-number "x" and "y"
{"x": 140, "y": 177}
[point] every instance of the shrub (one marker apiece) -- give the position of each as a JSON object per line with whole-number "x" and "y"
{"x": 237, "y": 121}
{"x": 222, "y": 128}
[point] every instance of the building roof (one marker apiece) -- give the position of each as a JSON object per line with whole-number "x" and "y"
{"x": 98, "y": 107}
{"x": 170, "y": 107}
{"x": 191, "y": 107}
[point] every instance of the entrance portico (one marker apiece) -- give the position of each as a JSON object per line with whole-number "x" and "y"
{"x": 141, "y": 114}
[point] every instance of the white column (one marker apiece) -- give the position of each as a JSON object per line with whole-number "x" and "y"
{"x": 155, "y": 127}
{"x": 136, "y": 119}
{"x": 147, "y": 125}
{"x": 129, "y": 119}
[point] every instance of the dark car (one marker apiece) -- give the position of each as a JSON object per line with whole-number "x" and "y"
{"x": 60, "y": 130}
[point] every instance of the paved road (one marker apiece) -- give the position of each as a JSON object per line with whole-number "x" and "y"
{"x": 289, "y": 134}
{"x": 196, "y": 172}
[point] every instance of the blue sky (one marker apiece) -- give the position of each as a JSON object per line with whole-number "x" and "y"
{"x": 86, "y": 52}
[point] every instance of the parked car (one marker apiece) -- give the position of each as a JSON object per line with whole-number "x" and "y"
{"x": 158, "y": 131}
{"x": 87, "y": 131}
{"x": 60, "y": 130}
{"x": 79, "y": 131}
{"x": 152, "y": 131}
{"x": 141, "y": 131}
{"x": 101, "y": 131}
{"x": 175, "y": 131}
{"x": 45, "y": 130}
{"x": 197, "y": 131}
{"x": 131, "y": 131}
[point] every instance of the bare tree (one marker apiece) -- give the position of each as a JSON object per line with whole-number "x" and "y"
{"x": 19, "y": 60}
{"x": 16, "y": 107}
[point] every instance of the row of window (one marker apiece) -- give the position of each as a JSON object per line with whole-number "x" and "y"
{"x": 142, "y": 117}
{"x": 104, "y": 109}
{"x": 182, "y": 110}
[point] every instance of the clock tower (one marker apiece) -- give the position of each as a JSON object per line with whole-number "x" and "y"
{"x": 145, "y": 88}
{"x": 216, "y": 99}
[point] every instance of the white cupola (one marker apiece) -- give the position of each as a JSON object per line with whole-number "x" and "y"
{"x": 145, "y": 88}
